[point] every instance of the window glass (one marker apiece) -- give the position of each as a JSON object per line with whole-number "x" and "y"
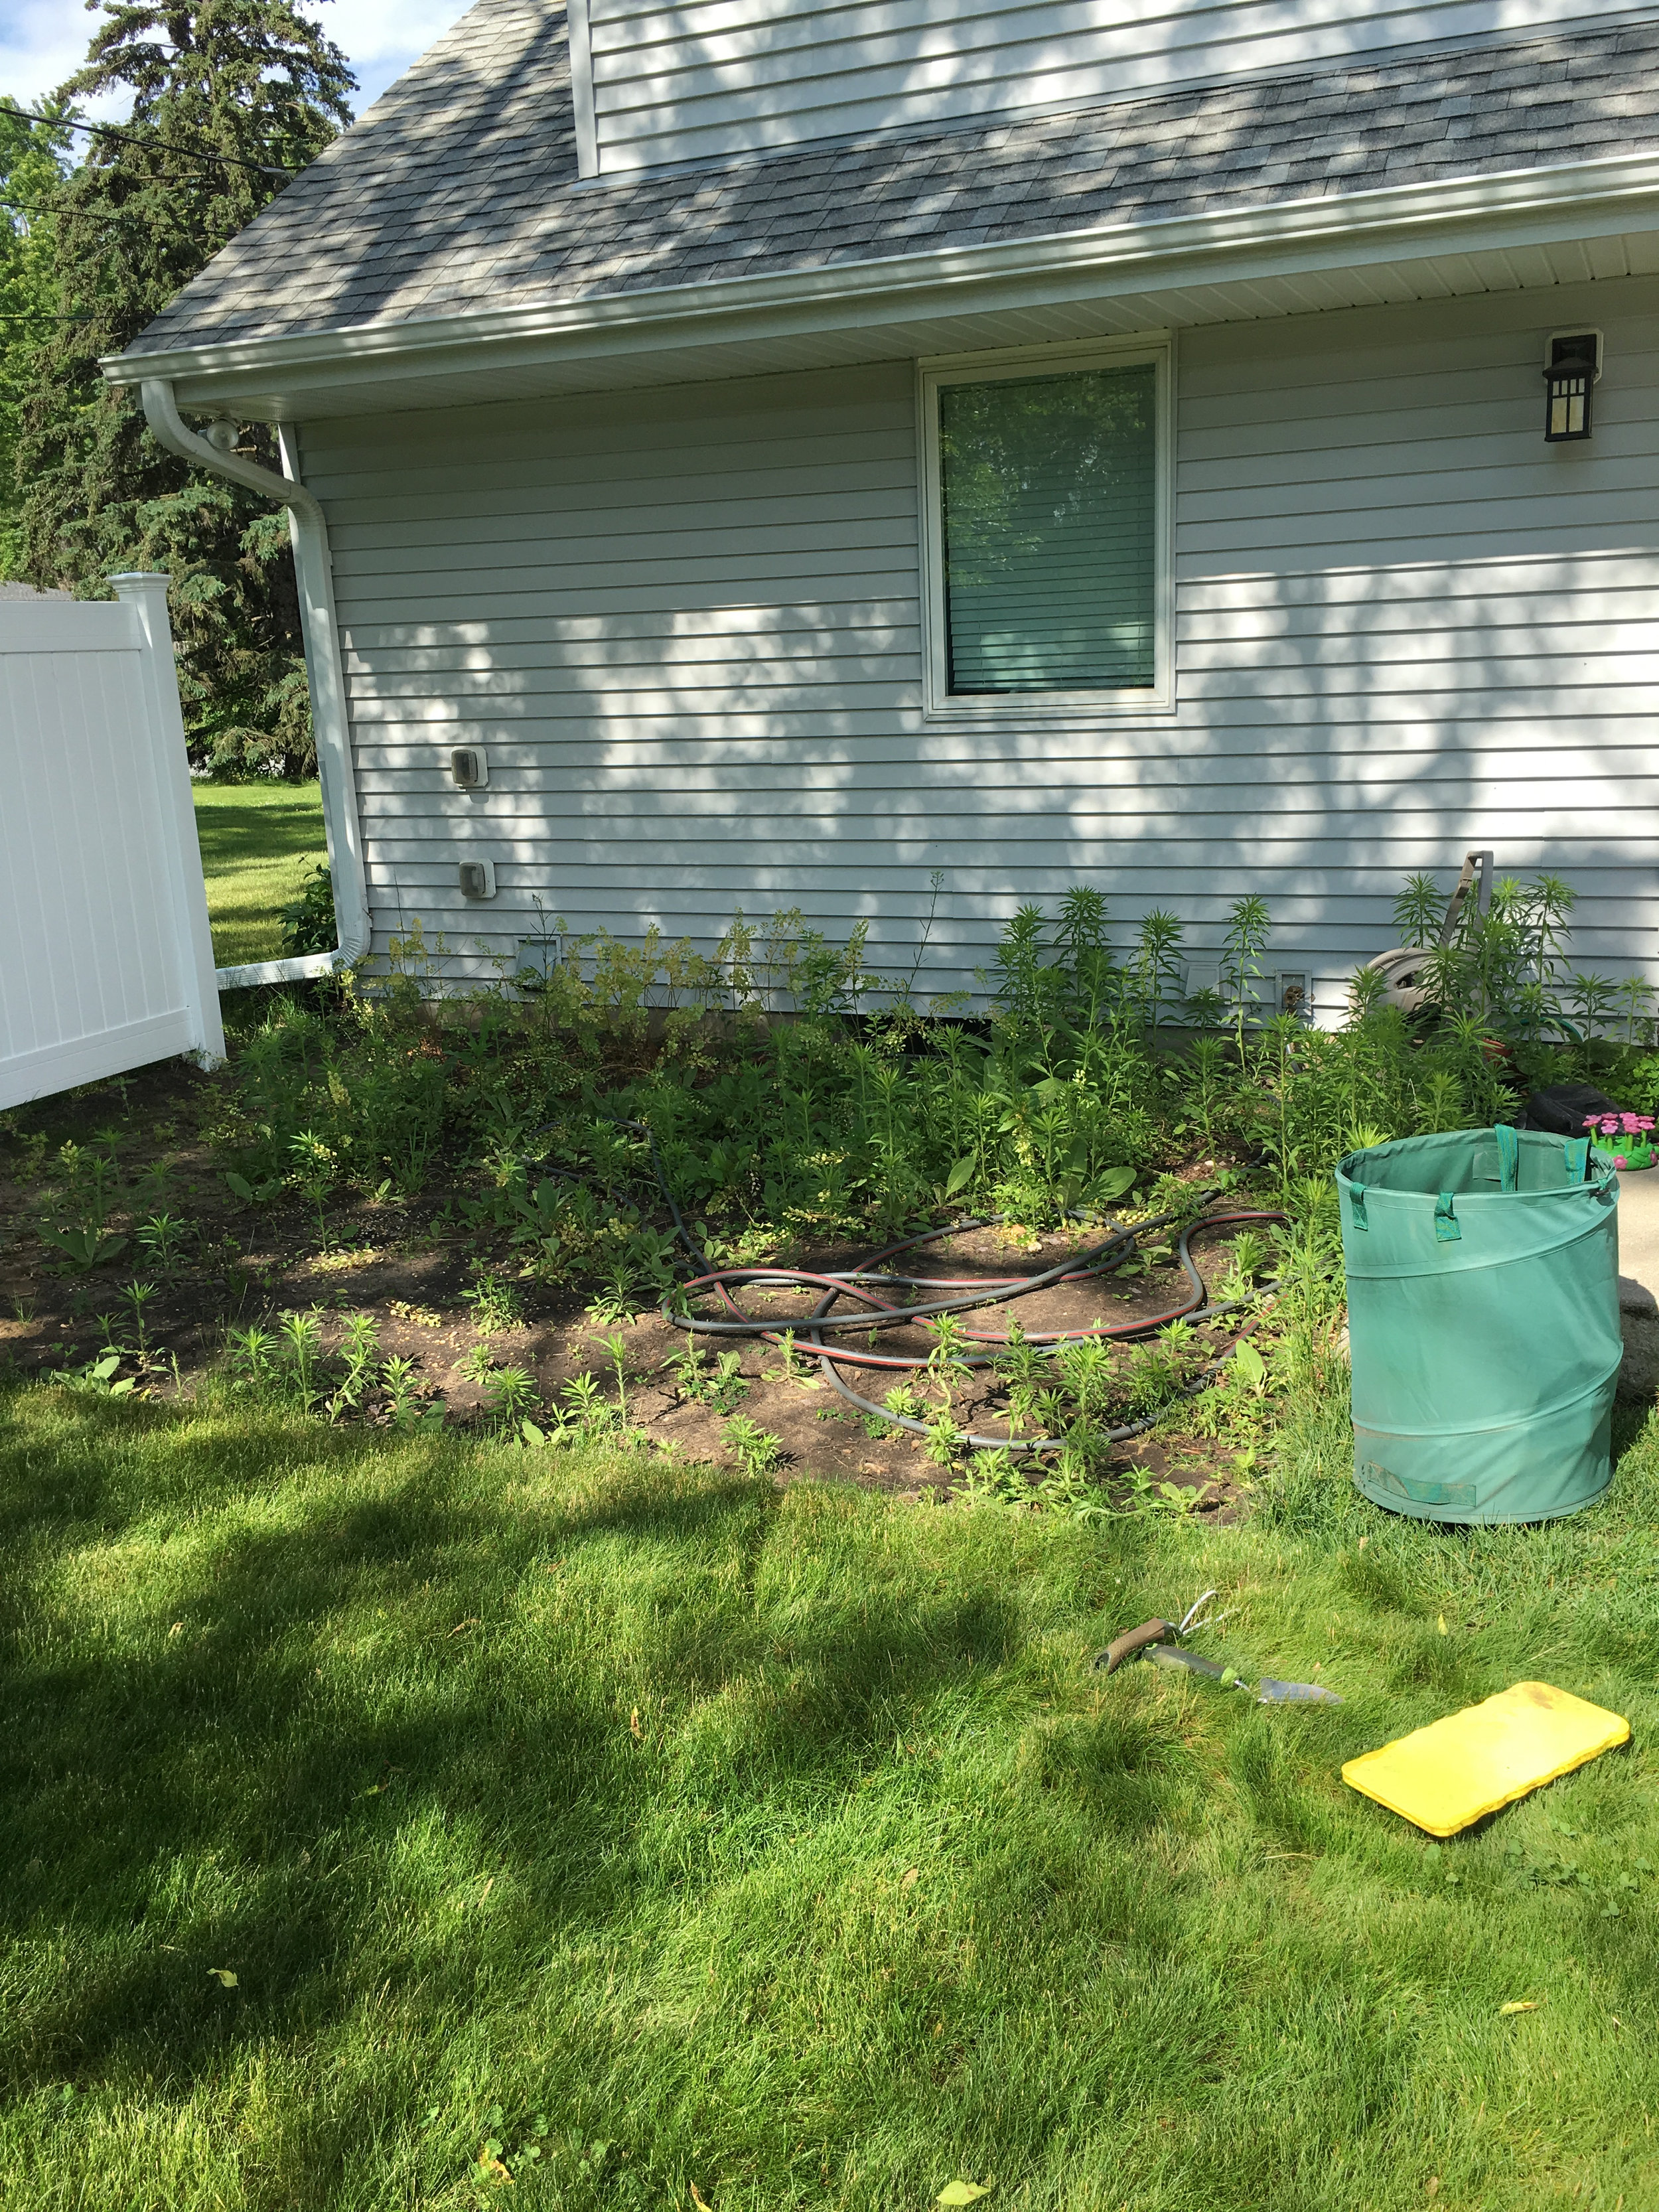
{"x": 1049, "y": 486}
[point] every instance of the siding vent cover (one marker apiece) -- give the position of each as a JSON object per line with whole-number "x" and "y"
{"x": 470, "y": 766}
{"x": 538, "y": 958}
{"x": 477, "y": 880}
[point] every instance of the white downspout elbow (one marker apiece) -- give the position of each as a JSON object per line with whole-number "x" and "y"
{"x": 314, "y": 569}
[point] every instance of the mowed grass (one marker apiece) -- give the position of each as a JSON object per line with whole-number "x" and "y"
{"x": 666, "y": 1831}
{"x": 258, "y": 840}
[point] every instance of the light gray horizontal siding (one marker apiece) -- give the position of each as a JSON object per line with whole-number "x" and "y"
{"x": 685, "y": 626}
{"x": 713, "y": 77}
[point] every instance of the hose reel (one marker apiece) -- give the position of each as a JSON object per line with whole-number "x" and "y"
{"x": 1403, "y": 968}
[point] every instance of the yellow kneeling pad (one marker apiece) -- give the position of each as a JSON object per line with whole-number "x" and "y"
{"x": 1454, "y": 1771}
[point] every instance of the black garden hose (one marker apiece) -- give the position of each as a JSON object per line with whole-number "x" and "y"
{"x": 867, "y": 1281}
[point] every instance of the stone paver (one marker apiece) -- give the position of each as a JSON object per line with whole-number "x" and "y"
{"x": 1639, "y": 1282}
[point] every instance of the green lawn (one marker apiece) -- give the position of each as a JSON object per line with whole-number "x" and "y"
{"x": 669, "y": 1831}
{"x": 258, "y": 840}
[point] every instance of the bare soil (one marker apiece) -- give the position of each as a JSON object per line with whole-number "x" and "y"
{"x": 407, "y": 1264}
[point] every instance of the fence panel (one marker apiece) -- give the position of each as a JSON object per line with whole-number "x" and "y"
{"x": 106, "y": 955}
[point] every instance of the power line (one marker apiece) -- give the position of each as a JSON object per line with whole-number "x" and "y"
{"x": 172, "y": 145}
{"x": 103, "y": 214}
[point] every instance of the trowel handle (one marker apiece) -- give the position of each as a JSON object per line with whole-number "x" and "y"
{"x": 1132, "y": 1640}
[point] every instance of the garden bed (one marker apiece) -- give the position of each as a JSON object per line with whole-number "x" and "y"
{"x": 404, "y": 1265}
{"x": 403, "y": 1204}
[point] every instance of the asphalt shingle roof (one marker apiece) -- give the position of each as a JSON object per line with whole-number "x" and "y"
{"x": 458, "y": 191}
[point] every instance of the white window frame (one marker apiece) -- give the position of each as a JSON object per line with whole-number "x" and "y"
{"x": 1005, "y": 365}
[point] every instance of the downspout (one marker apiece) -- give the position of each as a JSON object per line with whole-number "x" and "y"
{"x": 313, "y": 570}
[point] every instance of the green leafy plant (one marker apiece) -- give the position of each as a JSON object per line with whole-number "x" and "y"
{"x": 98, "y": 1377}
{"x": 359, "y": 1351}
{"x": 86, "y": 1248}
{"x": 756, "y": 1451}
{"x": 162, "y": 1237}
{"x": 308, "y": 923}
{"x": 138, "y": 1296}
{"x": 314, "y": 1175}
{"x": 509, "y": 1395}
{"x": 497, "y": 1303}
{"x": 409, "y": 1405}
{"x": 252, "y": 1193}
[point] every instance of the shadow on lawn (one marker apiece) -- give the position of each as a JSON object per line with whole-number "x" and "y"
{"x": 288, "y": 1755}
{"x": 233, "y": 834}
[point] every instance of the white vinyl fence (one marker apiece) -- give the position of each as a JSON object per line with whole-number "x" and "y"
{"x": 106, "y": 957}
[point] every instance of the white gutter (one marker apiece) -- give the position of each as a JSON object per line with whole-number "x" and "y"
{"x": 313, "y": 570}
{"x": 1338, "y": 229}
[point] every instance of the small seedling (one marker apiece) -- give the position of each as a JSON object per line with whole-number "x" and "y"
{"x": 945, "y": 1439}
{"x": 406, "y": 1404}
{"x": 796, "y": 1368}
{"x": 478, "y": 1365}
{"x": 509, "y": 1396}
{"x": 587, "y": 1403}
{"x": 98, "y": 1377}
{"x": 948, "y": 1369}
{"x": 252, "y": 1357}
{"x": 756, "y": 1452}
{"x": 137, "y": 1296}
{"x": 313, "y": 1176}
{"x": 616, "y": 1345}
{"x": 162, "y": 1237}
{"x": 252, "y": 1193}
{"x": 299, "y": 1339}
{"x": 497, "y": 1304}
{"x": 725, "y": 1389}
{"x": 360, "y": 1347}
{"x": 618, "y": 1301}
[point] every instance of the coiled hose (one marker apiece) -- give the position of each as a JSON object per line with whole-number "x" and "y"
{"x": 869, "y": 1280}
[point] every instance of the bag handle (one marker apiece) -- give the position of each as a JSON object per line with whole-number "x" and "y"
{"x": 1447, "y": 1227}
{"x": 1578, "y": 1151}
{"x": 1356, "y": 1204}
{"x": 1508, "y": 1157}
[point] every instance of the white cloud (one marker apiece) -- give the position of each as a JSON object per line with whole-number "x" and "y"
{"x": 44, "y": 41}
{"x": 381, "y": 38}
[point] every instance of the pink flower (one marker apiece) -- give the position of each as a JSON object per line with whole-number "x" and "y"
{"x": 1619, "y": 1159}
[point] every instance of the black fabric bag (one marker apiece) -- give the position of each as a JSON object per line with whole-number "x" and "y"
{"x": 1563, "y": 1109}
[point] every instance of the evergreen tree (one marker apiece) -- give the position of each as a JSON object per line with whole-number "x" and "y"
{"x": 30, "y": 170}
{"x": 228, "y": 99}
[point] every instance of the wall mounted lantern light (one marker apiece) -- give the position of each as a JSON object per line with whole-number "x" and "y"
{"x": 1573, "y": 368}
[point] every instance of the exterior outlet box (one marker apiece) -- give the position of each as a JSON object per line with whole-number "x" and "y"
{"x": 477, "y": 880}
{"x": 470, "y": 767}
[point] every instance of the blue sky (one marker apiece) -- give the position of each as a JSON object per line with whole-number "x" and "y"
{"x": 41, "y": 42}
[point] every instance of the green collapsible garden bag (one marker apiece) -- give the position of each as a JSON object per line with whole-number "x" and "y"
{"x": 1483, "y": 1322}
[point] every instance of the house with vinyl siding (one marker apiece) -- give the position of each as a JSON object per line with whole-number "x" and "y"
{"x": 761, "y": 453}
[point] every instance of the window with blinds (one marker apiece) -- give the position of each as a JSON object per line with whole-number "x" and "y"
{"x": 1047, "y": 489}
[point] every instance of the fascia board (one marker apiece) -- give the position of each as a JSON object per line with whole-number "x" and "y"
{"x": 1543, "y": 206}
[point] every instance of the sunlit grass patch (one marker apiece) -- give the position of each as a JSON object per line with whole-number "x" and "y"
{"x": 661, "y": 1827}
{"x": 258, "y": 840}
